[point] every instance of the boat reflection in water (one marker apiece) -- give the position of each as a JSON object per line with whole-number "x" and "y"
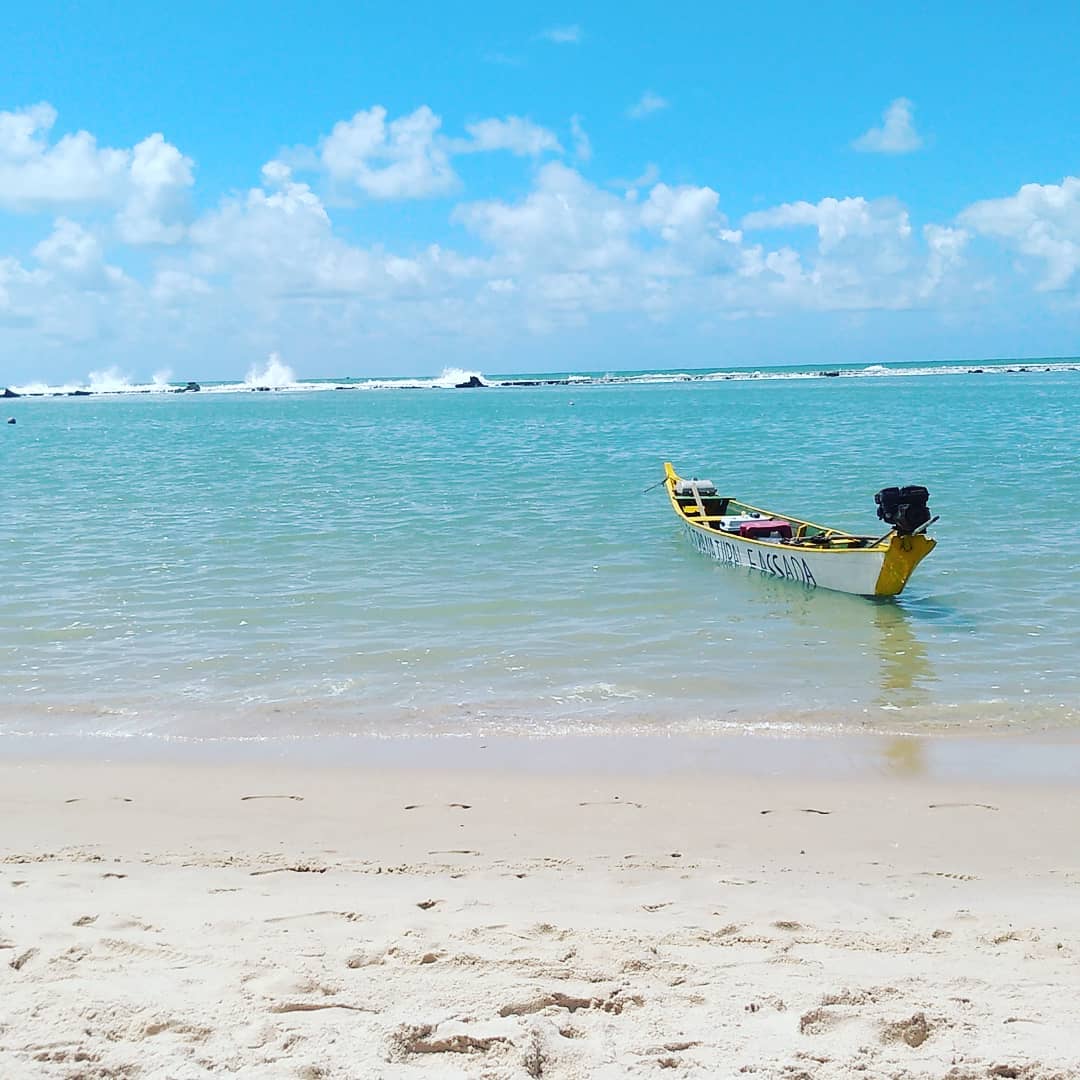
{"x": 907, "y": 677}
{"x": 905, "y": 755}
{"x": 870, "y": 659}
{"x": 905, "y": 672}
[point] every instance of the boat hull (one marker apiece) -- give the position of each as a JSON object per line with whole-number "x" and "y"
{"x": 840, "y": 562}
{"x": 850, "y": 571}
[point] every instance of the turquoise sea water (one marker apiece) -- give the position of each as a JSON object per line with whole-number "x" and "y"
{"x": 419, "y": 561}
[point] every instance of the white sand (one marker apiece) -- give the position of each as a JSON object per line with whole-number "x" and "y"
{"x": 359, "y": 923}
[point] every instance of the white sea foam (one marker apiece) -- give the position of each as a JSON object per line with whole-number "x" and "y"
{"x": 275, "y": 374}
{"x": 106, "y": 381}
{"x": 449, "y": 378}
{"x": 110, "y": 381}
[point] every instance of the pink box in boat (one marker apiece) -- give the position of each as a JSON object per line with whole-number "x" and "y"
{"x": 764, "y": 528}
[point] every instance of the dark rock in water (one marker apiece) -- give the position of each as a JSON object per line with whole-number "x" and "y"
{"x": 830, "y": 374}
{"x": 471, "y": 384}
{"x": 523, "y": 382}
{"x": 261, "y": 389}
{"x": 976, "y": 371}
{"x": 11, "y": 419}
{"x": 192, "y": 387}
{"x": 79, "y": 393}
{"x": 9, "y": 393}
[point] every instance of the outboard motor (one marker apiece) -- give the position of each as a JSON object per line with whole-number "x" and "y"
{"x": 904, "y": 508}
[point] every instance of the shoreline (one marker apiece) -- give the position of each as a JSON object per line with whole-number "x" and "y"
{"x": 1010, "y": 756}
{"x": 280, "y": 920}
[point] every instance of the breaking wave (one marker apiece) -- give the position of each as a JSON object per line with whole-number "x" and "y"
{"x": 275, "y": 374}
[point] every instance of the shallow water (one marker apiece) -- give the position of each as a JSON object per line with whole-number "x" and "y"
{"x": 437, "y": 561}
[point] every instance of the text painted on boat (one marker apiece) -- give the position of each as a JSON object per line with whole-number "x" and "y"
{"x": 779, "y": 564}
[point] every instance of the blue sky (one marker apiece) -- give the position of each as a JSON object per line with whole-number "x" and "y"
{"x": 376, "y": 189}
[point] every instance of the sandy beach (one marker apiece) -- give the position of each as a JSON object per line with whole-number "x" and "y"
{"x": 265, "y": 920}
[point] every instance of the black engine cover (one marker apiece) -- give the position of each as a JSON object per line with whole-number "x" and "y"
{"x": 903, "y": 507}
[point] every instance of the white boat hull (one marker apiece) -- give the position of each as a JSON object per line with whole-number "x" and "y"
{"x": 855, "y": 572}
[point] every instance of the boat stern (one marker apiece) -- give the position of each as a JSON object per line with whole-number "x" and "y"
{"x": 902, "y": 556}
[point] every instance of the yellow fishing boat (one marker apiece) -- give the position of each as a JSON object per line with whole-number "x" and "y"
{"x": 736, "y": 533}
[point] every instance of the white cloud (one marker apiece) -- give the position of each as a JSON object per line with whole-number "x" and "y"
{"x": 897, "y": 134}
{"x": 1041, "y": 221}
{"x": 867, "y": 256}
{"x": 170, "y": 286}
{"x": 564, "y": 221}
{"x": 278, "y": 237}
{"x": 837, "y": 220}
{"x": 674, "y": 212}
{"x": 573, "y": 249}
{"x": 516, "y": 134}
{"x": 15, "y": 279}
{"x": 75, "y": 253}
{"x": 278, "y": 243}
{"x": 400, "y": 160}
{"x": 21, "y": 132}
{"x": 72, "y": 298}
{"x": 582, "y": 145}
{"x": 408, "y": 158}
{"x": 646, "y": 105}
{"x": 157, "y": 201}
{"x": 72, "y": 171}
{"x": 147, "y": 185}
{"x": 945, "y": 248}
{"x": 563, "y": 35}
{"x": 271, "y": 266}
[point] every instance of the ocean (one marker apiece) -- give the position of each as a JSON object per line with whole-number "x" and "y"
{"x": 399, "y": 557}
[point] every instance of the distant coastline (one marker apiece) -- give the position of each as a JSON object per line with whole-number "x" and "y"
{"x": 456, "y": 379}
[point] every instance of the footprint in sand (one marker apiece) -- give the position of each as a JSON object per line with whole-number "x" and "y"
{"x": 614, "y": 1003}
{"x": 422, "y": 1039}
{"x": 16, "y": 963}
{"x": 958, "y": 805}
{"x": 818, "y": 1021}
{"x": 113, "y": 798}
{"x": 300, "y": 868}
{"x": 305, "y": 1006}
{"x": 913, "y": 1031}
{"x": 348, "y": 916}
